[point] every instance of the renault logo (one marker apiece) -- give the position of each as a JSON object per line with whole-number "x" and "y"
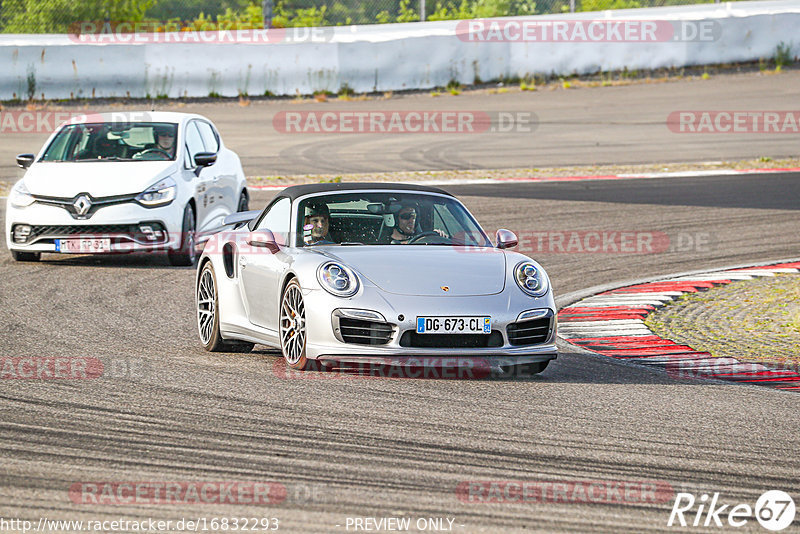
{"x": 82, "y": 205}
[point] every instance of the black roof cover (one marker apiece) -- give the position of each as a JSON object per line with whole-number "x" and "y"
{"x": 297, "y": 191}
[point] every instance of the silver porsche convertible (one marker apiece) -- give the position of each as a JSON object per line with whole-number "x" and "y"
{"x": 387, "y": 274}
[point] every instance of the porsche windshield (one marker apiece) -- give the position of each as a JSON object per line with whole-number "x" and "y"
{"x": 113, "y": 142}
{"x": 386, "y": 218}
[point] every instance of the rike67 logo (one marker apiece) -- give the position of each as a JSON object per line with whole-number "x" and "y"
{"x": 774, "y": 510}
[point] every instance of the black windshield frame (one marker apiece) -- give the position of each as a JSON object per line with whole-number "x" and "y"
{"x": 465, "y": 232}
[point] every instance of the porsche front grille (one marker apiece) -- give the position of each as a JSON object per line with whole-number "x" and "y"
{"x": 531, "y": 332}
{"x": 364, "y": 332}
{"x": 450, "y": 341}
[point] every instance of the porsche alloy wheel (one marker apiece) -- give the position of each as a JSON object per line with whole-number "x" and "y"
{"x": 293, "y": 326}
{"x": 208, "y": 316}
{"x": 207, "y": 322}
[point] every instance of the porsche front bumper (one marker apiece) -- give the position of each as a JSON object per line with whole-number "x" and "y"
{"x": 405, "y": 348}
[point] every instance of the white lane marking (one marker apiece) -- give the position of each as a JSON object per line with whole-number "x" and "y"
{"x": 599, "y": 324}
{"x": 682, "y": 174}
{"x": 628, "y": 296}
{"x": 748, "y": 273}
{"x": 626, "y": 303}
{"x": 648, "y": 293}
{"x": 708, "y": 361}
{"x": 710, "y": 278}
{"x": 587, "y": 335}
{"x": 633, "y": 306}
{"x": 763, "y": 272}
{"x": 758, "y": 270}
{"x": 650, "y": 361}
{"x": 611, "y": 331}
{"x": 635, "y": 297}
{"x": 602, "y": 323}
{"x": 630, "y": 302}
{"x": 624, "y": 331}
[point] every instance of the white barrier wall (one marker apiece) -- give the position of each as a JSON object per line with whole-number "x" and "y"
{"x": 378, "y": 57}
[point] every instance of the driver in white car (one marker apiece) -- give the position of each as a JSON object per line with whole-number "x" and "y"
{"x": 165, "y": 140}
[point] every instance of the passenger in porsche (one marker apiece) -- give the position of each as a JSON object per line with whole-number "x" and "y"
{"x": 318, "y": 217}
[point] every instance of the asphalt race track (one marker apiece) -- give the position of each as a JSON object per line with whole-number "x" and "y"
{"x": 167, "y": 411}
{"x": 602, "y": 125}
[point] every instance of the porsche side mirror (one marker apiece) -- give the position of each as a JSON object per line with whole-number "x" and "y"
{"x": 25, "y": 160}
{"x": 506, "y": 239}
{"x": 205, "y": 159}
{"x": 263, "y": 239}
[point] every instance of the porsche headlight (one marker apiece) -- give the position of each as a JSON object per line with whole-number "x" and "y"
{"x": 20, "y": 197}
{"x": 160, "y": 193}
{"x": 337, "y": 279}
{"x": 531, "y": 279}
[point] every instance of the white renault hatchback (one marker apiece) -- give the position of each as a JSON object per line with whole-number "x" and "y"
{"x": 125, "y": 182}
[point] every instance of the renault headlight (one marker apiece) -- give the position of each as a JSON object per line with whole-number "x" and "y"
{"x": 531, "y": 279}
{"x": 160, "y": 193}
{"x": 337, "y": 279}
{"x": 20, "y": 197}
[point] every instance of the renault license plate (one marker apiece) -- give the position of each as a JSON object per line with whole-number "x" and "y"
{"x": 83, "y": 245}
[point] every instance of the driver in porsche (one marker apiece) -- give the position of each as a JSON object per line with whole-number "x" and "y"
{"x": 405, "y": 225}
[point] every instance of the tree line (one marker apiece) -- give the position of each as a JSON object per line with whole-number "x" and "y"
{"x": 61, "y": 16}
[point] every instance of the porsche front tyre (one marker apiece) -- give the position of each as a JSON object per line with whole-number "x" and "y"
{"x": 292, "y": 327}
